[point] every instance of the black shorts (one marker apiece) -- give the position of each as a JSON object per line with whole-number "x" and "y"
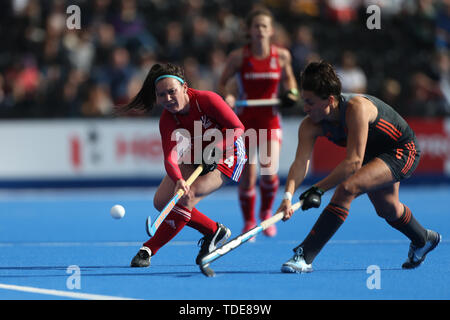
{"x": 401, "y": 161}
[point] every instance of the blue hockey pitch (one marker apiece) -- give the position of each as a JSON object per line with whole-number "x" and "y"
{"x": 65, "y": 245}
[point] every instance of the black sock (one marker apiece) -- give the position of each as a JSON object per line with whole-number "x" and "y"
{"x": 332, "y": 217}
{"x": 410, "y": 227}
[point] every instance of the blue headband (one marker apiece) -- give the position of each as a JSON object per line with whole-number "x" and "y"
{"x": 169, "y": 76}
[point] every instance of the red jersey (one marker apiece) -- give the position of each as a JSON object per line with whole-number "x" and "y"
{"x": 259, "y": 78}
{"x": 206, "y": 107}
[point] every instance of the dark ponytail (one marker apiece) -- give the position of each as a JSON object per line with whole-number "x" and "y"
{"x": 146, "y": 97}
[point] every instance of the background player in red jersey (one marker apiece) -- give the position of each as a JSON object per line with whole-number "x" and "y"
{"x": 260, "y": 68}
{"x": 184, "y": 108}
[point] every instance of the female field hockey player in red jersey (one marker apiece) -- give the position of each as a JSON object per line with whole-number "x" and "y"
{"x": 260, "y": 67}
{"x": 192, "y": 110}
{"x": 381, "y": 151}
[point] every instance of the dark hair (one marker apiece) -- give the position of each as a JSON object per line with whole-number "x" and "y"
{"x": 320, "y": 78}
{"x": 146, "y": 97}
{"x": 261, "y": 11}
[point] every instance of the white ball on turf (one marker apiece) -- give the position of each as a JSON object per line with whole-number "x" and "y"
{"x": 117, "y": 211}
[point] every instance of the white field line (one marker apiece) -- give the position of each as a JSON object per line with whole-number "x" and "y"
{"x": 59, "y": 293}
{"x": 184, "y": 243}
{"x": 86, "y": 244}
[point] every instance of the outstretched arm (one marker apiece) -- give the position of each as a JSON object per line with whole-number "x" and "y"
{"x": 307, "y": 135}
{"x": 232, "y": 65}
{"x": 290, "y": 95}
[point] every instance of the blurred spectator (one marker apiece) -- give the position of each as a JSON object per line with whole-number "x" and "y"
{"x": 201, "y": 38}
{"x": 71, "y": 94}
{"x": 390, "y": 93}
{"x": 442, "y": 66}
{"x": 22, "y": 82}
{"x": 28, "y": 77}
{"x": 342, "y": 11}
{"x": 80, "y": 50}
{"x": 281, "y": 37}
{"x": 98, "y": 102}
{"x": 302, "y": 49}
{"x": 99, "y": 12}
{"x": 426, "y": 96}
{"x": 51, "y": 87}
{"x": 104, "y": 43}
{"x": 216, "y": 63}
{"x": 352, "y": 77}
{"x": 131, "y": 29}
{"x": 196, "y": 75}
{"x": 146, "y": 60}
{"x": 304, "y": 7}
{"x": 2, "y": 91}
{"x": 443, "y": 26}
{"x": 46, "y": 70}
{"x": 117, "y": 73}
{"x": 427, "y": 8}
{"x": 229, "y": 33}
{"x": 174, "y": 48}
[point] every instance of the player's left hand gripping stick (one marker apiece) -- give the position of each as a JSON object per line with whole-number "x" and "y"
{"x": 239, "y": 240}
{"x": 151, "y": 228}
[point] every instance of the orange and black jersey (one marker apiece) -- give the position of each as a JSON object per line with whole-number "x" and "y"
{"x": 389, "y": 136}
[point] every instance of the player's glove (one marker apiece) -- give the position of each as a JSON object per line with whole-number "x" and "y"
{"x": 290, "y": 98}
{"x": 210, "y": 163}
{"x": 311, "y": 198}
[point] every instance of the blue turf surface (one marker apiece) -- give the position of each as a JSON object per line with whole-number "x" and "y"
{"x": 42, "y": 233}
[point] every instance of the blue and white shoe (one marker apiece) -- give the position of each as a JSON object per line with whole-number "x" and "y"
{"x": 297, "y": 263}
{"x": 417, "y": 255}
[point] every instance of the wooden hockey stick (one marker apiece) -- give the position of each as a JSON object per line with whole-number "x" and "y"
{"x": 151, "y": 228}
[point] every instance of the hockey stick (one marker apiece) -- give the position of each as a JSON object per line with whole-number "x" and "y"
{"x": 151, "y": 228}
{"x": 239, "y": 240}
{"x": 257, "y": 103}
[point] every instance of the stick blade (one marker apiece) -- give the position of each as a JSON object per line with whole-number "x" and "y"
{"x": 148, "y": 226}
{"x": 207, "y": 271}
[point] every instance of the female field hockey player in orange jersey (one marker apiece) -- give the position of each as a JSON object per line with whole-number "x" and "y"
{"x": 184, "y": 108}
{"x": 260, "y": 68}
{"x": 381, "y": 150}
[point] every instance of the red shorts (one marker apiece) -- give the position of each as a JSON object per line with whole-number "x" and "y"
{"x": 265, "y": 122}
{"x": 233, "y": 165}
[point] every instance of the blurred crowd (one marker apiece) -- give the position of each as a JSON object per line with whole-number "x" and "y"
{"x": 50, "y": 70}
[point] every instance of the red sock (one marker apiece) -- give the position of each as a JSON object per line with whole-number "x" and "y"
{"x": 202, "y": 223}
{"x": 247, "y": 199}
{"x": 173, "y": 223}
{"x": 268, "y": 193}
